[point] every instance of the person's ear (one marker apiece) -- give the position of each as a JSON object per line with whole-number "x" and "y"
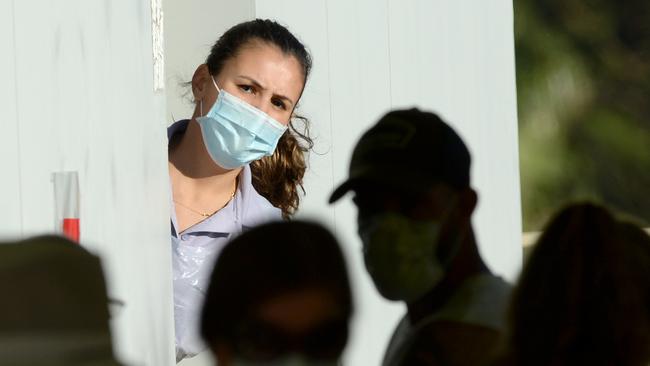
{"x": 200, "y": 82}
{"x": 468, "y": 201}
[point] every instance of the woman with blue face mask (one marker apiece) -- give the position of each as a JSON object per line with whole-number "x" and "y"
{"x": 238, "y": 161}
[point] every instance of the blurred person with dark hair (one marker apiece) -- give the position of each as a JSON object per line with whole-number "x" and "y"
{"x": 583, "y": 298}
{"x": 279, "y": 295}
{"x": 410, "y": 175}
{"x": 54, "y": 309}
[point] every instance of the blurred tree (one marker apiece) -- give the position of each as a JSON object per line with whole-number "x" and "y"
{"x": 583, "y": 87}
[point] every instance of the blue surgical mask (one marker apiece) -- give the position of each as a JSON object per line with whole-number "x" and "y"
{"x": 235, "y": 133}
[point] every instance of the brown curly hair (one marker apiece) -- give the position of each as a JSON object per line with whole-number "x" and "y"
{"x": 277, "y": 177}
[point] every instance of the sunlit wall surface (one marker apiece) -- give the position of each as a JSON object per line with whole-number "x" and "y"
{"x": 77, "y": 94}
{"x": 583, "y": 82}
{"x": 452, "y": 57}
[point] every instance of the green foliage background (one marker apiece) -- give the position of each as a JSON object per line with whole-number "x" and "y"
{"x": 583, "y": 88}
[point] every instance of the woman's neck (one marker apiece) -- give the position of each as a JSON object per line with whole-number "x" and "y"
{"x": 192, "y": 168}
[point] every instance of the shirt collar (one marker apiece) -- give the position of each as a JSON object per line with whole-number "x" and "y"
{"x": 230, "y": 218}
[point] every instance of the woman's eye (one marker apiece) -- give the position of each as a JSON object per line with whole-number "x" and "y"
{"x": 279, "y": 103}
{"x": 246, "y": 88}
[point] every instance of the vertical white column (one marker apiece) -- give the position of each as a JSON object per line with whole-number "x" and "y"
{"x": 457, "y": 58}
{"x": 79, "y": 96}
{"x": 11, "y": 213}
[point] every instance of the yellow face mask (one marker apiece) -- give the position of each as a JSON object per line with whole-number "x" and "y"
{"x": 400, "y": 255}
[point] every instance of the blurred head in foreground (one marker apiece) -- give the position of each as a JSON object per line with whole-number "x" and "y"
{"x": 584, "y": 295}
{"x": 279, "y": 294}
{"x": 54, "y": 309}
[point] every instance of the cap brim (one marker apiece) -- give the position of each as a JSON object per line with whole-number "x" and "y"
{"x": 359, "y": 176}
{"x": 379, "y": 178}
{"x": 339, "y": 192}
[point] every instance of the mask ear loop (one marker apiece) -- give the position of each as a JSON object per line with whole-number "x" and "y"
{"x": 218, "y": 91}
{"x": 215, "y": 84}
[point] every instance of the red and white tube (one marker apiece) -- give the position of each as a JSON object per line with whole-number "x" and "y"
{"x": 66, "y": 204}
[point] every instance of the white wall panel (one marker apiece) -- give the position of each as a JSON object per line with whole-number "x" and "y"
{"x": 463, "y": 54}
{"x": 11, "y": 213}
{"x": 85, "y": 103}
{"x": 360, "y": 89}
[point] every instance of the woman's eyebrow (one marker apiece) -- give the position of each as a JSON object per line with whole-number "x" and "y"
{"x": 262, "y": 87}
{"x": 253, "y": 81}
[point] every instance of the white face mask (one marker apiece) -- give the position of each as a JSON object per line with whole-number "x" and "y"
{"x": 289, "y": 360}
{"x": 401, "y": 255}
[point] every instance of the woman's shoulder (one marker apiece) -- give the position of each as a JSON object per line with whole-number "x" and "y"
{"x": 256, "y": 209}
{"x": 175, "y": 131}
{"x": 260, "y": 210}
{"x": 177, "y": 127}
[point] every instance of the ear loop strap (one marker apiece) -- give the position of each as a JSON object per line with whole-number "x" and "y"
{"x": 218, "y": 91}
{"x": 215, "y": 84}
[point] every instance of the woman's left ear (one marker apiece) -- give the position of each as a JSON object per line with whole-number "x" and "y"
{"x": 199, "y": 81}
